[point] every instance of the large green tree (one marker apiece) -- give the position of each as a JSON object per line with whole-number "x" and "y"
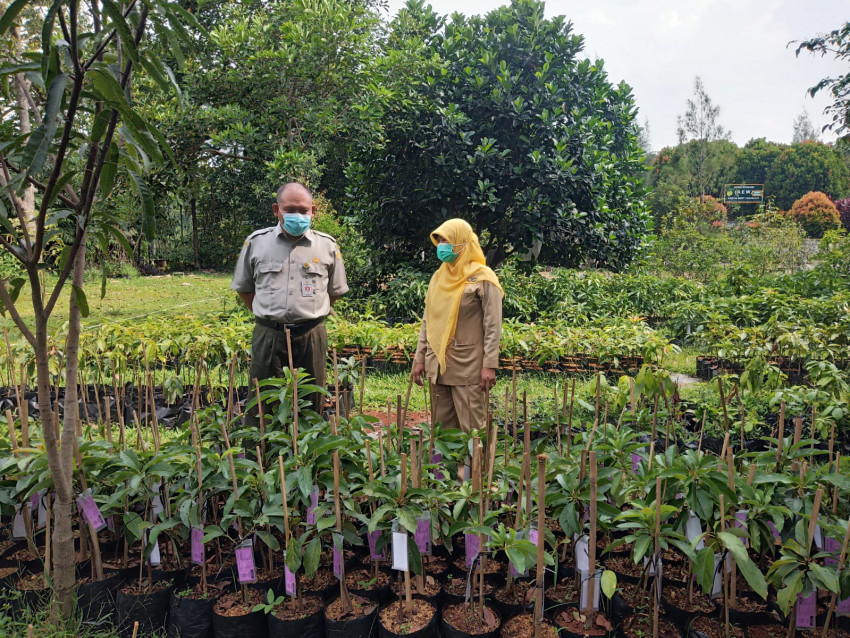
{"x": 87, "y": 134}
{"x": 503, "y": 122}
{"x": 805, "y": 167}
{"x": 837, "y": 45}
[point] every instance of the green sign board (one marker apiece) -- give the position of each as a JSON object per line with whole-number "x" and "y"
{"x": 744, "y": 193}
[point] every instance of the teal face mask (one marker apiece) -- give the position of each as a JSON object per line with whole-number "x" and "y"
{"x": 445, "y": 253}
{"x": 296, "y": 224}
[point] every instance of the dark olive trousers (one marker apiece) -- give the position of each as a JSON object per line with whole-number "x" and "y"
{"x": 269, "y": 356}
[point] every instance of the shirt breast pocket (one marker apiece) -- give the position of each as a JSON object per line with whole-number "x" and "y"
{"x": 268, "y": 275}
{"x": 318, "y": 275}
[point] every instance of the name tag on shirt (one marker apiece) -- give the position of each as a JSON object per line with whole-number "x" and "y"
{"x": 307, "y": 288}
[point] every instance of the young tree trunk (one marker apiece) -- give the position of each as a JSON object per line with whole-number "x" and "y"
{"x": 195, "y": 253}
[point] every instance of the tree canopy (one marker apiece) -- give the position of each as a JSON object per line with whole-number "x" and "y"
{"x": 509, "y": 127}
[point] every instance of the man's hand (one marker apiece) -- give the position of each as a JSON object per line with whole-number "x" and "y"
{"x": 418, "y": 369}
{"x": 488, "y": 378}
{"x": 248, "y": 299}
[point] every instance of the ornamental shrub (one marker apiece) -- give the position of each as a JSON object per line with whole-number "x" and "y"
{"x": 708, "y": 211}
{"x": 815, "y": 213}
{"x": 843, "y": 206}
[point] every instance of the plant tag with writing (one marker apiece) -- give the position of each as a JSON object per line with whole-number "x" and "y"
{"x": 90, "y": 510}
{"x": 156, "y": 560}
{"x": 473, "y": 548}
{"x": 833, "y": 547}
{"x": 373, "y": 538}
{"x": 337, "y": 555}
{"x": 636, "y": 459}
{"x": 437, "y": 459}
{"x": 693, "y": 529}
{"x": 806, "y": 611}
{"x": 843, "y": 608}
{"x": 314, "y": 503}
{"x": 42, "y": 510}
{"x": 400, "y": 562}
{"x": 423, "y": 534}
{"x": 19, "y": 528}
{"x": 156, "y": 502}
{"x": 597, "y": 585}
{"x": 245, "y": 567}
{"x": 288, "y": 581}
{"x": 197, "y": 538}
{"x": 583, "y": 554}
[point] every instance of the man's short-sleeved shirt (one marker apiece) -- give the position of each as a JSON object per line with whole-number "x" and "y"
{"x": 292, "y": 281}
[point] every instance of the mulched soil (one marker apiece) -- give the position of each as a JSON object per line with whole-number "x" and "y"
{"x": 522, "y": 626}
{"x": 31, "y": 582}
{"x": 491, "y": 566}
{"x": 411, "y": 621}
{"x": 85, "y": 580}
{"x": 432, "y": 587}
{"x": 522, "y": 593}
{"x": 466, "y": 618}
{"x": 321, "y": 580}
{"x": 302, "y": 608}
{"x": 22, "y": 555}
{"x": 640, "y": 625}
{"x": 675, "y": 573}
{"x": 132, "y": 588}
{"x": 361, "y": 607}
{"x": 678, "y": 597}
{"x": 564, "y": 592}
{"x": 769, "y": 631}
{"x": 713, "y": 628}
{"x": 435, "y": 565}
{"x": 7, "y": 571}
{"x": 749, "y": 604}
{"x": 457, "y": 587}
{"x": 577, "y": 622}
{"x": 816, "y": 633}
{"x": 636, "y": 597}
{"x": 6, "y": 545}
{"x": 232, "y": 605}
{"x": 362, "y": 579}
{"x": 624, "y": 565}
{"x": 266, "y": 575}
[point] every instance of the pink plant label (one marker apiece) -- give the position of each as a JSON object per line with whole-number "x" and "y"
{"x": 473, "y": 548}
{"x": 423, "y": 534}
{"x": 806, "y": 611}
{"x": 373, "y": 545}
{"x": 833, "y": 547}
{"x": 437, "y": 459}
{"x": 90, "y": 510}
{"x": 337, "y": 556}
{"x": 314, "y": 503}
{"x": 245, "y": 566}
{"x": 635, "y": 461}
{"x": 197, "y": 546}
{"x": 843, "y": 608}
{"x": 34, "y": 501}
{"x": 288, "y": 581}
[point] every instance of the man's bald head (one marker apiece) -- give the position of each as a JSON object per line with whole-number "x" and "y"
{"x": 294, "y": 185}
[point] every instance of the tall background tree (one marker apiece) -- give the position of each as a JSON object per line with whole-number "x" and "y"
{"x": 836, "y": 44}
{"x": 512, "y": 129}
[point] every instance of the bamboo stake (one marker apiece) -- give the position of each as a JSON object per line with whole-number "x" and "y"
{"x": 287, "y": 535}
{"x": 591, "y": 548}
{"x": 408, "y": 596}
{"x": 657, "y": 534}
{"x": 478, "y": 490}
{"x": 343, "y": 590}
{"x": 399, "y": 424}
{"x": 570, "y": 422}
{"x": 201, "y": 506}
{"x": 513, "y": 399}
{"x": 13, "y": 439}
{"x": 295, "y": 398}
{"x": 701, "y": 432}
{"x": 781, "y": 438}
{"x": 541, "y": 526}
{"x": 407, "y": 399}
{"x": 389, "y": 426}
{"x": 723, "y": 404}
{"x": 260, "y": 415}
{"x": 363, "y": 381}
{"x": 381, "y": 450}
{"x": 798, "y": 434}
{"x": 733, "y": 568}
{"x": 558, "y": 420}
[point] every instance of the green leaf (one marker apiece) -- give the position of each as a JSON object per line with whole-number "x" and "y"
{"x": 704, "y": 568}
{"x": 123, "y": 29}
{"x": 35, "y": 152}
{"x": 609, "y": 583}
{"x": 8, "y": 19}
{"x": 268, "y": 539}
{"x": 312, "y": 556}
{"x": 80, "y": 300}
{"x": 110, "y": 169}
{"x": 148, "y": 212}
{"x": 824, "y": 578}
{"x": 517, "y": 558}
{"x": 641, "y": 545}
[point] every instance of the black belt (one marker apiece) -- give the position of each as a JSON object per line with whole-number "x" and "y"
{"x": 294, "y": 328}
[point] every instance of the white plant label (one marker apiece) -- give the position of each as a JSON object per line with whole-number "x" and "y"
{"x": 400, "y": 562}
{"x": 582, "y": 555}
{"x": 19, "y": 528}
{"x": 585, "y": 584}
{"x": 693, "y": 530}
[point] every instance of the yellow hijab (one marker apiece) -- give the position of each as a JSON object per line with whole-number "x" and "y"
{"x": 442, "y": 301}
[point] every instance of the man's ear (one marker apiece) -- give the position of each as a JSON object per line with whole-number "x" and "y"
{"x": 313, "y": 210}
{"x": 276, "y": 210}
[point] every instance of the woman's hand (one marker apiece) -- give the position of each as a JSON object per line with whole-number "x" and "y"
{"x": 418, "y": 369}
{"x": 488, "y": 378}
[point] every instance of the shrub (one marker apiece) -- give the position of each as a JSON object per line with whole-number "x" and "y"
{"x": 708, "y": 211}
{"x": 843, "y": 206}
{"x": 815, "y": 213}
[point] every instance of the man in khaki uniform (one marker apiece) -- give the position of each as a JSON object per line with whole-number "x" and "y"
{"x": 465, "y": 299}
{"x": 289, "y": 276}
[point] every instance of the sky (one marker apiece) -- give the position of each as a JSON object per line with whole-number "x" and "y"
{"x": 740, "y": 49}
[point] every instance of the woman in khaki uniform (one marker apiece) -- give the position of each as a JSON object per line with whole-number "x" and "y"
{"x": 459, "y": 342}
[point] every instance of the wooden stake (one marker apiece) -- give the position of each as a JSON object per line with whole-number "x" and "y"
{"x": 399, "y": 424}
{"x": 656, "y": 555}
{"x": 558, "y": 420}
{"x": 834, "y": 598}
{"x": 570, "y": 422}
{"x": 591, "y": 548}
{"x": 723, "y": 403}
{"x": 362, "y": 381}
{"x": 541, "y": 526}
{"x": 260, "y": 415}
{"x": 798, "y": 435}
{"x": 408, "y": 595}
{"x": 781, "y": 438}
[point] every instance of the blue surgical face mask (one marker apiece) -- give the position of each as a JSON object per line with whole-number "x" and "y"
{"x": 445, "y": 253}
{"x": 296, "y": 224}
